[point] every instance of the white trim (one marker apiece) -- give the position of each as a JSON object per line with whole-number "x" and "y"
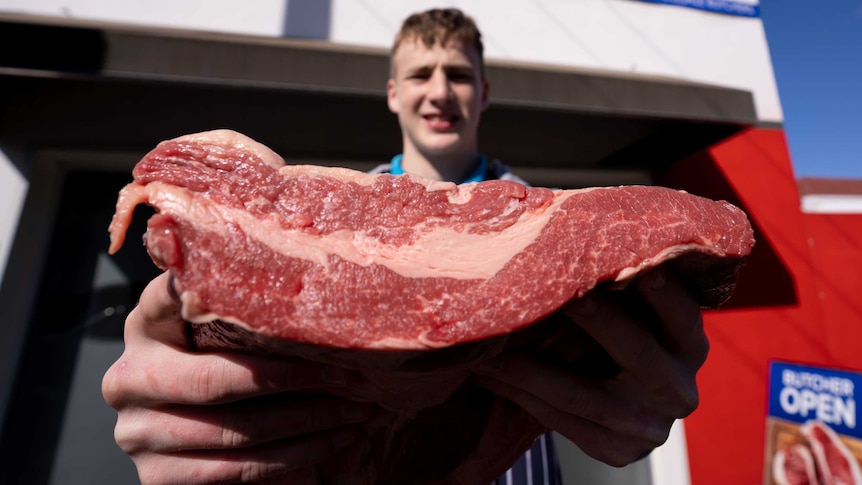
{"x": 832, "y": 204}
{"x": 545, "y": 471}
{"x": 669, "y": 462}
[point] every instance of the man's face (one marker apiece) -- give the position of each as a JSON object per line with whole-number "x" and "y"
{"x": 438, "y": 94}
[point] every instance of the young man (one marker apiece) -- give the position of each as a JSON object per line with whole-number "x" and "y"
{"x": 438, "y": 90}
{"x": 187, "y": 417}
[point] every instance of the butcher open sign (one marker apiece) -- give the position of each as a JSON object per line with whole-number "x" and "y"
{"x": 813, "y": 432}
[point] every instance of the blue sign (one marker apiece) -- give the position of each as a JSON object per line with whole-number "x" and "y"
{"x": 801, "y": 393}
{"x": 750, "y": 8}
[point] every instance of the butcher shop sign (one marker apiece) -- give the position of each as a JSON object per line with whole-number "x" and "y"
{"x": 743, "y": 8}
{"x": 813, "y": 432}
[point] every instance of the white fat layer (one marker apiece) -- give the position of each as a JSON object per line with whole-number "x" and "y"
{"x": 438, "y": 252}
{"x": 399, "y": 343}
{"x": 236, "y": 141}
{"x": 343, "y": 174}
{"x": 193, "y": 311}
{"x": 460, "y": 195}
{"x": 346, "y": 175}
{"x": 627, "y": 273}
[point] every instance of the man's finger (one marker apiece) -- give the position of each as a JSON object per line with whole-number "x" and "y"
{"x": 169, "y": 376}
{"x": 240, "y": 425}
{"x": 157, "y": 316}
{"x": 627, "y": 338}
{"x": 292, "y": 459}
{"x": 678, "y": 312}
{"x": 535, "y": 386}
{"x": 614, "y": 436}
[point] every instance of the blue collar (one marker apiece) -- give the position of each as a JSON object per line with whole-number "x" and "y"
{"x": 478, "y": 174}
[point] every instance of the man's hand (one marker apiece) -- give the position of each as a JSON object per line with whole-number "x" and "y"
{"x": 195, "y": 418}
{"x": 622, "y": 418}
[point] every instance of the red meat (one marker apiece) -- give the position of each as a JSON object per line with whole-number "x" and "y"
{"x": 407, "y": 280}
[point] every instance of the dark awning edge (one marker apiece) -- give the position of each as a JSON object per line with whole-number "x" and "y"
{"x": 114, "y": 50}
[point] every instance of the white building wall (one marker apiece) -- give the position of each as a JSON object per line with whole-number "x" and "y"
{"x": 831, "y": 204}
{"x": 13, "y": 189}
{"x": 614, "y": 35}
{"x": 260, "y": 17}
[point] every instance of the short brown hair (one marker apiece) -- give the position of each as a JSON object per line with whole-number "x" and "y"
{"x": 441, "y": 25}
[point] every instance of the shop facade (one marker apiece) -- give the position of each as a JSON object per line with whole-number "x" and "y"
{"x": 583, "y": 93}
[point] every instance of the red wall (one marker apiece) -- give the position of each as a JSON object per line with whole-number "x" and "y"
{"x": 798, "y": 299}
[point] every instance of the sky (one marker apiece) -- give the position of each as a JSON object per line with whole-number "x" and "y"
{"x": 816, "y": 49}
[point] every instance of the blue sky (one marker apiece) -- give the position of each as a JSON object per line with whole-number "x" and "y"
{"x": 816, "y": 49}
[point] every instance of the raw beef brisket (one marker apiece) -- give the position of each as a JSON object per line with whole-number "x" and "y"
{"x": 407, "y": 280}
{"x": 335, "y": 257}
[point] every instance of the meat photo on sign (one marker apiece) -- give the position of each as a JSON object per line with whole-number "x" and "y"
{"x": 815, "y": 454}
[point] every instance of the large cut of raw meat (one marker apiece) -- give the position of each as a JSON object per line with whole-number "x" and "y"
{"x": 410, "y": 281}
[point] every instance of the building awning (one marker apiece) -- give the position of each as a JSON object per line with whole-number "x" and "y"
{"x": 113, "y": 86}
